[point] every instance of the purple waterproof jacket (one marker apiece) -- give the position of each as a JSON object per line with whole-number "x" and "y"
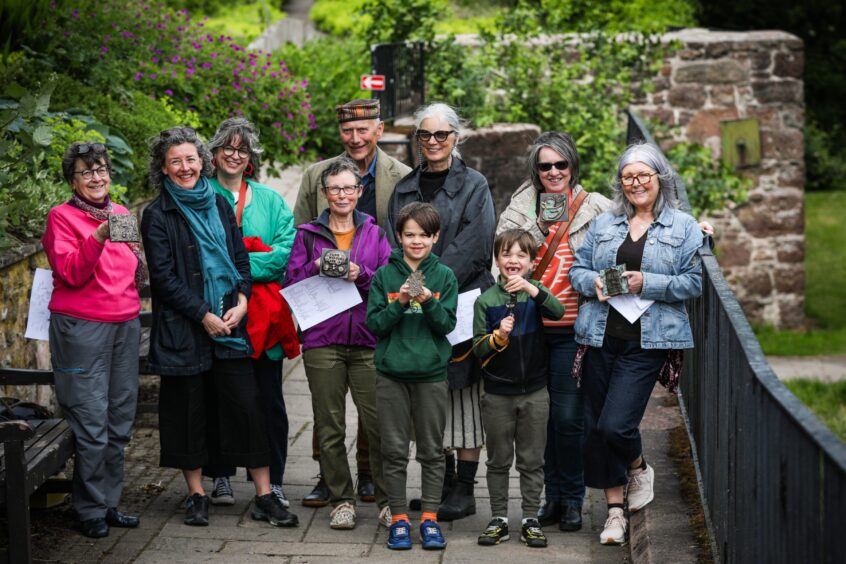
{"x": 370, "y": 250}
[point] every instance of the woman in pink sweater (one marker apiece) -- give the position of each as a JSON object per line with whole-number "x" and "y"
{"x": 94, "y": 334}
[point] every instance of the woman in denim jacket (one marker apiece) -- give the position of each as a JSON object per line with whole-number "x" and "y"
{"x": 658, "y": 245}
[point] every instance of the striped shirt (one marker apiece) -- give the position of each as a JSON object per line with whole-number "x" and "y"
{"x": 556, "y": 277}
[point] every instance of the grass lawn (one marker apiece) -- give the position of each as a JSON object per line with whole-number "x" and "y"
{"x": 827, "y": 401}
{"x": 825, "y": 269}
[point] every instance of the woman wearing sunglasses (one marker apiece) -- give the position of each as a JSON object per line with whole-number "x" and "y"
{"x": 94, "y": 334}
{"x": 554, "y": 169}
{"x": 465, "y": 244}
{"x": 267, "y": 225}
{"x": 338, "y": 352}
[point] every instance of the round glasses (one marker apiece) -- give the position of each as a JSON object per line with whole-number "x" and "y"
{"x": 229, "y": 150}
{"x": 88, "y": 173}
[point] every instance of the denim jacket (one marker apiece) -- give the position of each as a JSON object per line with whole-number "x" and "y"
{"x": 672, "y": 273}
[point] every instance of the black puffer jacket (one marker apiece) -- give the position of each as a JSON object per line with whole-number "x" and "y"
{"x": 179, "y": 345}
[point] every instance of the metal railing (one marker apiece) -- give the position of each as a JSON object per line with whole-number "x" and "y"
{"x": 772, "y": 477}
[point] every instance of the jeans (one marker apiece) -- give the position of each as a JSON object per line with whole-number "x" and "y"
{"x": 562, "y": 470}
{"x": 617, "y": 380}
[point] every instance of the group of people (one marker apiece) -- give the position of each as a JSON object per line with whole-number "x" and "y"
{"x": 554, "y": 375}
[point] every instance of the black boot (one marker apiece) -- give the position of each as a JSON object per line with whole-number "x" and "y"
{"x": 450, "y": 475}
{"x": 460, "y": 502}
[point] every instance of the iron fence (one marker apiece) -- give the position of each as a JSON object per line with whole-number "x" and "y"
{"x": 772, "y": 477}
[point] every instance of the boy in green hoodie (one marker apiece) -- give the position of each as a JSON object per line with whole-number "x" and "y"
{"x": 412, "y": 356}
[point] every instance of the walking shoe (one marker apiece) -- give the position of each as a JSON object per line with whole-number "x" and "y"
{"x": 532, "y": 534}
{"x": 615, "y": 527}
{"x": 431, "y": 535}
{"x": 342, "y": 516}
{"x": 319, "y": 496}
{"x": 365, "y": 488}
{"x": 96, "y": 528}
{"x": 222, "y": 493}
{"x": 385, "y": 516}
{"x": 549, "y": 513}
{"x": 459, "y": 503}
{"x": 268, "y": 508}
{"x": 641, "y": 488}
{"x": 276, "y": 489}
{"x": 571, "y": 518}
{"x": 115, "y": 518}
{"x": 197, "y": 510}
{"x": 496, "y": 532}
{"x": 399, "y": 537}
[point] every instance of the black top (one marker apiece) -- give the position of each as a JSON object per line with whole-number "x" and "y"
{"x": 431, "y": 182}
{"x": 630, "y": 253}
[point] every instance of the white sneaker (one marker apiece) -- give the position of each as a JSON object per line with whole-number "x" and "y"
{"x": 615, "y": 527}
{"x": 342, "y": 517}
{"x": 641, "y": 489}
{"x": 277, "y": 491}
{"x": 385, "y": 517}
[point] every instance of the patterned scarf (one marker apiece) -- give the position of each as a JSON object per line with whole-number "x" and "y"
{"x": 103, "y": 215}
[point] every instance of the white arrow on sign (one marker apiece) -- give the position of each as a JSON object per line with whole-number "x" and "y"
{"x": 372, "y": 82}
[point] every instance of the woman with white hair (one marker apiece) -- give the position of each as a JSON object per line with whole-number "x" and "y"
{"x": 622, "y": 357}
{"x": 465, "y": 244}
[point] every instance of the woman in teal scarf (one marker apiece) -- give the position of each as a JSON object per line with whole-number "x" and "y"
{"x": 200, "y": 281}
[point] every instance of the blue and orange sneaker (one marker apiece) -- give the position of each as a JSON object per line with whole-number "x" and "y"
{"x": 399, "y": 537}
{"x": 431, "y": 536}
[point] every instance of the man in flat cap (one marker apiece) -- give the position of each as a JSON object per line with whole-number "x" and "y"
{"x": 360, "y": 128}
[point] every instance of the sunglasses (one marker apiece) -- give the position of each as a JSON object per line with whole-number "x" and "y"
{"x": 85, "y": 148}
{"x": 560, "y": 165}
{"x": 440, "y": 136}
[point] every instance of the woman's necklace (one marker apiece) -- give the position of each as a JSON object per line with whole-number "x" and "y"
{"x": 638, "y": 224}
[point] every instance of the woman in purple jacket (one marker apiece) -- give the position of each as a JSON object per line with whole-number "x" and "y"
{"x": 338, "y": 353}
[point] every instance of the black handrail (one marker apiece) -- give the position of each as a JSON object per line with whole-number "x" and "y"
{"x": 772, "y": 477}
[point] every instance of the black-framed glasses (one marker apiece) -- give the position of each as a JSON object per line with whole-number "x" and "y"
{"x": 229, "y": 150}
{"x": 85, "y": 148}
{"x": 88, "y": 173}
{"x": 440, "y": 136}
{"x": 559, "y": 165}
{"x": 641, "y": 177}
{"x": 348, "y": 189}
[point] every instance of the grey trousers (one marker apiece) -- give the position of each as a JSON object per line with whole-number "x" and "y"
{"x": 401, "y": 405}
{"x": 331, "y": 371}
{"x": 515, "y": 424}
{"x": 96, "y": 375}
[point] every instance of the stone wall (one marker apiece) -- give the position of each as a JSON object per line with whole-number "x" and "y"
{"x": 718, "y": 76}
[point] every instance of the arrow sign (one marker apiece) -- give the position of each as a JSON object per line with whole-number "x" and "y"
{"x": 373, "y": 82}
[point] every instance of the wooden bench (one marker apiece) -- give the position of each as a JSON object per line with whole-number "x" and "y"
{"x": 30, "y": 453}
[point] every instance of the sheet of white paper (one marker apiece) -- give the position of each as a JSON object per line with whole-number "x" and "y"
{"x": 38, "y": 322}
{"x": 630, "y": 306}
{"x": 318, "y": 298}
{"x": 464, "y": 317}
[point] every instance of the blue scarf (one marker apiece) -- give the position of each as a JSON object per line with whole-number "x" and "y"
{"x": 220, "y": 277}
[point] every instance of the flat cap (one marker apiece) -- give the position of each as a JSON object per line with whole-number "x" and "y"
{"x": 357, "y": 110}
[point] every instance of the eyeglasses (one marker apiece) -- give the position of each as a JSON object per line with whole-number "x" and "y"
{"x": 641, "y": 177}
{"x": 559, "y": 165}
{"x": 349, "y": 189}
{"x": 88, "y": 174}
{"x": 85, "y": 148}
{"x": 440, "y": 136}
{"x": 229, "y": 150}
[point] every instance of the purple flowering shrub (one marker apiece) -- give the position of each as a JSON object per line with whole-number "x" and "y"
{"x": 145, "y": 46}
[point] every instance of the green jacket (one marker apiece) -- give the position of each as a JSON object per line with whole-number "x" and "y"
{"x": 268, "y": 217}
{"x": 311, "y": 202}
{"x": 412, "y": 344}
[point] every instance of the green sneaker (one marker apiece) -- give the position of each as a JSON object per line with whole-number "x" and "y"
{"x": 496, "y": 532}
{"x": 532, "y": 534}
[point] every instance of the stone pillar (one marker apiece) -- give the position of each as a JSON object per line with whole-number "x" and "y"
{"x": 718, "y": 76}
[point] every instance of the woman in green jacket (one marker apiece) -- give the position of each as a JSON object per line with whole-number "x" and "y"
{"x": 260, "y": 212}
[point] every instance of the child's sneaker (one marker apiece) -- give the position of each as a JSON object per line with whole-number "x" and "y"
{"x": 532, "y": 534}
{"x": 342, "y": 517}
{"x": 431, "y": 536}
{"x": 399, "y": 537}
{"x": 496, "y": 532}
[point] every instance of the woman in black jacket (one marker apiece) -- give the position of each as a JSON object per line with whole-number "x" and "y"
{"x": 200, "y": 282}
